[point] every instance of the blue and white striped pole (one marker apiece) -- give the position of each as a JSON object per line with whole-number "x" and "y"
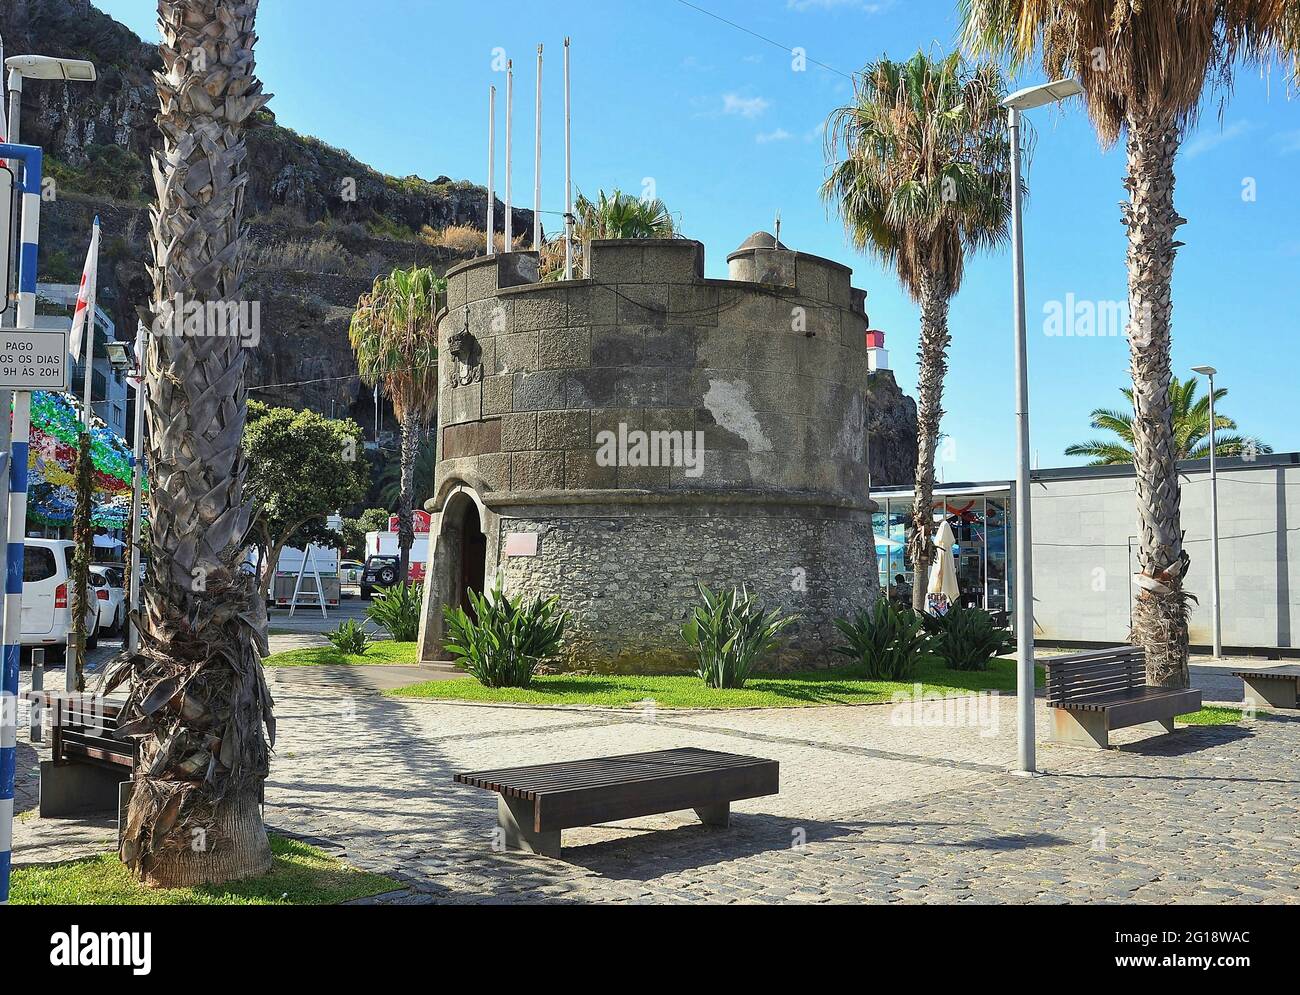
{"x": 22, "y": 418}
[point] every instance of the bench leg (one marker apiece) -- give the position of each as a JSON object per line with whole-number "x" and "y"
{"x": 716, "y": 814}
{"x": 73, "y": 789}
{"x": 515, "y": 818}
{"x": 1088, "y": 729}
{"x": 1278, "y": 692}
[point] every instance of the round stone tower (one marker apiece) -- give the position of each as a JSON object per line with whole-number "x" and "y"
{"x": 617, "y": 439}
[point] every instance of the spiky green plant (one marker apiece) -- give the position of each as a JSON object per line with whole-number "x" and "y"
{"x": 350, "y": 637}
{"x": 886, "y": 640}
{"x": 502, "y": 640}
{"x": 397, "y": 609}
{"x": 967, "y": 638}
{"x": 729, "y": 632}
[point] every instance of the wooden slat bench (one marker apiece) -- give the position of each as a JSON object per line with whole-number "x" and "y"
{"x": 535, "y": 804}
{"x": 1272, "y": 687}
{"x": 88, "y": 763}
{"x": 1092, "y": 693}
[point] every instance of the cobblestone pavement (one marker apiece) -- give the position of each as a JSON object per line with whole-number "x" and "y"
{"x": 869, "y": 810}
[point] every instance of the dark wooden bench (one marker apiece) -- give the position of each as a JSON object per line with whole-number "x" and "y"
{"x": 1092, "y": 693}
{"x": 88, "y": 763}
{"x": 535, "y": 804}
{"x": 1271, "y": 687}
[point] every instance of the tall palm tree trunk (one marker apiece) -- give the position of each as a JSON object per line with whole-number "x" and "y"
{"x": 406, "y": 499}
{"x": 1160, "y": 607}
{"x": 933, "y": 367}
{"x": 198, "y": 702}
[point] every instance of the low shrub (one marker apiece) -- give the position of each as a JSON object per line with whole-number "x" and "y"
{"x": 504, "y": 640}
{"x": 886, "y": 640}
{"x": 350, "y": 637}
{"x": 397, "y": 609}
{"x": 729, "y": 632}
{"x": 967, "y": 638}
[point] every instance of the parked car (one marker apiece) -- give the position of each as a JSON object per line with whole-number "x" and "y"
{"x": 381, "y": 571}
{"x": 350, "y": 572}
{"x": 47, "y": 598}
{"x": 111, "y": 596}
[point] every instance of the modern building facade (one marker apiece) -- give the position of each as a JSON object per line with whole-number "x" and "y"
{"x": 1084, "y": 525}
{"x": 616, "y": 439}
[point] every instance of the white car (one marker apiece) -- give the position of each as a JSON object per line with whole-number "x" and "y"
{"x": 111, "y": 596}
{"x": 47, "y": 598}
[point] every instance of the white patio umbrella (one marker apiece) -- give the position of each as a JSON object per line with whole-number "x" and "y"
{"x": 943, "y": 572}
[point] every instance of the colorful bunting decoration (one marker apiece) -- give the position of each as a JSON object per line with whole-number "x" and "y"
{"x": 51, "y": 492}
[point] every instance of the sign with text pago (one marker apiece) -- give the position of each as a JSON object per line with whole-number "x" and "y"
{"x": 33, "y": 359}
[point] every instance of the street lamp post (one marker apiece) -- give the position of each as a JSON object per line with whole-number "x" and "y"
{"x": 1208, "y": 372}
{"x": 1022, "y": 100}
{"x": 120, "y": 356}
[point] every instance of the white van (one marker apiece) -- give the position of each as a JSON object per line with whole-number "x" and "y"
{"x": 47, "y": 598}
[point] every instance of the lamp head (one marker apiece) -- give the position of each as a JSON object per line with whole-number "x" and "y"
{"x": 48, "y": 67}
{"x": 1043, "y": 93}
{"x": 1205, "y": 371}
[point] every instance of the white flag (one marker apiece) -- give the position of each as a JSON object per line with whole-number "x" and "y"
{"x": 82, "y": 317}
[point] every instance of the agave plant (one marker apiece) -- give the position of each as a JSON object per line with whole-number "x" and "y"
{"x": 350, "y": 637}
{"x": 501, "y": 641}
{"x": 886, "y": 640}
{"x": 397, "y": 609}
{"x": 967, "y": 638}
{"x": 729, "y": 632}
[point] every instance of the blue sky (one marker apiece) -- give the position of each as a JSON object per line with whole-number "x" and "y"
{"x": 729, "y": 134}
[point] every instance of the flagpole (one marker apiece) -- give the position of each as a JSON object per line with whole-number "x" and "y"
{"x": 92, "y": 278}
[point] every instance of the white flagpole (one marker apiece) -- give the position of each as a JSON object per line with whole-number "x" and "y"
{"x": 92, "y": 278}
{"x": 510, "y": 112}
{"x": 568, "y": 174}
{"x": 537, "y": 162}
{"x": 492, "y": 165}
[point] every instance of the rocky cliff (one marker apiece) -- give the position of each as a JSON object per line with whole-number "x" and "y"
{"x": 322, "y": 224}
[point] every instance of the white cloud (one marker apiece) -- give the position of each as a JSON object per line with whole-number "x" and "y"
{"x": 1207, "y": 140}
{"x": 1288, "y": 142}
{"x": 779, "y": 135}
{"x": 734, "y": 103}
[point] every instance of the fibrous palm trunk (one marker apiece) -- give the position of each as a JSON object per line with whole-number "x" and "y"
{"x": 83, "y": 537}
{"x": 1160, "y": 606}
{"x": 198, "y": 702}
{"x": 406, "y": 499}
{"x": 933, "y": 367}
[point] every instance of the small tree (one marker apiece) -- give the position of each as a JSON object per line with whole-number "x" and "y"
{"x": 302, "y": 467}
{"x": 355, "y": 529}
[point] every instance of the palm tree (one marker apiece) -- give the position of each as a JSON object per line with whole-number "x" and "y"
{"x": 616, "y": 215}
{"x": 1191, "y": 417}
{"x": 394, "y": 338}
{"x": 1144, "y": 68}
{"x": 389, "y": 483}
{"x": 921, "y": 174}
{"x": 198, "y": 704}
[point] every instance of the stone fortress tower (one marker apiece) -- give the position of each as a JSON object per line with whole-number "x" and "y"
{"x": 568, "y": 464}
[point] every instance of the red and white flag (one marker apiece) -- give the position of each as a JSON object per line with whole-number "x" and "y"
{"x": 82, "y": 318}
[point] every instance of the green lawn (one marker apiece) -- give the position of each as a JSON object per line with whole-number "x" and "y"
{"x": 820, "y": 687}
{"x": 301, "y": 875}
{"x": 381, "y": 651}
{"x": 1211, "y": 715}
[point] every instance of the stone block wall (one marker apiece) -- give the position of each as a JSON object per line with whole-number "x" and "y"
{"x": 770, "y": 377}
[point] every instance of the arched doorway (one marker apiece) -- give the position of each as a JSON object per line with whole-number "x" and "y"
{"x": 459, "y": 565}
{"x": 473, "y": 556}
